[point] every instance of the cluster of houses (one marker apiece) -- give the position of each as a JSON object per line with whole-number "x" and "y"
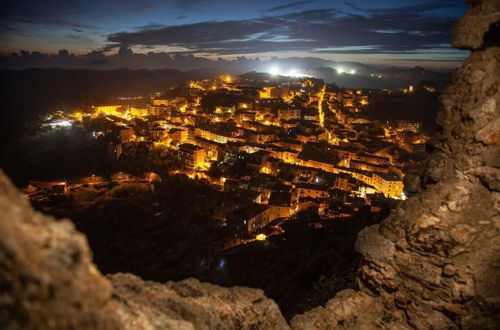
{"x": 280, "y": 144}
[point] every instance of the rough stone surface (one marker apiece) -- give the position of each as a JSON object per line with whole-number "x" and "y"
{"x": 434, "y": 263}
{"x": 47, "y": 281}
{"x": 191, "y": 304}
{"x": 468, "y": 32}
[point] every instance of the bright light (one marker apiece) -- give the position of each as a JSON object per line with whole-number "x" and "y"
{"x": 274, "y": 70}
{"x": 353, "y": 71}
{"x": 261, "y": 237}
{"x": 61, "y": 123}
{"x": 293, "y": 73}
{"x": 340, "y": 70}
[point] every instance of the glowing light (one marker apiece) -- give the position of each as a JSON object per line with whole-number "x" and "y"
{"x": 222, "y": 263}
{"x": 353, "y": 71}
{"x": 274, "y": 70}
{"x": 340, "y": 70}
{"x": 61, "y": 123}
{"x": 265, "y": 170}
{"x": 261, "y": 237}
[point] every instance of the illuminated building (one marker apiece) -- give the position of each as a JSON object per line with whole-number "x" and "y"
{"x": 108, "y": 110}
{"x": 160, "y": 102}
{"x": 281, "y": 203}
{"x": 251, "y": 218}
{"x": 289, "y": 114}
{"x": 191, "y": 156}
{"x": 211, "y": 135}
{"x": 311, "y": 190}
{"x": 389, "y": 184}
{"x": 178, "y": 134}
{"x": 126, "y": 134}
{"x": 139, "y": 111}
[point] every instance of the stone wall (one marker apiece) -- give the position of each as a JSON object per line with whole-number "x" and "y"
{"x": 433, "y": 264}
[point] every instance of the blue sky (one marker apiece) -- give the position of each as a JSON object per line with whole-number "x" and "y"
{"x": 382, "y": 31}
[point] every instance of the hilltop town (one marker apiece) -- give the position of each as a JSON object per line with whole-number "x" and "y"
{"x": 271, "y": 145}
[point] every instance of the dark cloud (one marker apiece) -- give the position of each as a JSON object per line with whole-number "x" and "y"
{"x": 150, "y": 26}
{"x": 289, "y": 5}
{"x": 405, "y": 29}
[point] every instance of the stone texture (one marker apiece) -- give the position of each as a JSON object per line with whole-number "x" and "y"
{"x": 190, "y": 304}
{"x": 47, "y": 279}
{"x": 350, "y": 310}
{"x": 468, "y": 31}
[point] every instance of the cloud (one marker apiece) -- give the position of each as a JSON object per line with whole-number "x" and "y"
{"x": 404, "y": 29}
{"x": 289, "y": 5}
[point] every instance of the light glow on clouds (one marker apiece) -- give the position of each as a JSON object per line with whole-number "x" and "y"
{"x": 276, "y": 71}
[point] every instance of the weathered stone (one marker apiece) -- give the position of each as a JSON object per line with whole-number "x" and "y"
{"x": 449, "y": 270}
{"x": 349, "y": 310}
{"x": 47, "y": 278}
{"x": 468, "y": 31}
{"x": 190, "y": 304}
{"x": 373, "y": 246}
{"x": 490, "y": 134}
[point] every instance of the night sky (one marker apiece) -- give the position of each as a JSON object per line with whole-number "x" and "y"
{"x": 412, "y": 32}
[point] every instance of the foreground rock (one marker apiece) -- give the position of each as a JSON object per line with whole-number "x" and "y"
{"x": 191, "y": 304}
{"x": 48, "y": 281}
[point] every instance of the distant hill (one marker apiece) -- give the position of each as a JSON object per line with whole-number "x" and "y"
{"x": 372, "y": 77}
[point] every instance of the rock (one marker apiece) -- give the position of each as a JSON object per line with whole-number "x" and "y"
{"x": 348, "y": 310}
{"x": 468, "y": 31}
{"x": 449, "y": 270}
{"x": 190, "y": 304}
{"x": 490, "y": 134}
{"x": 373, "y": 246}
{"x": 47, "y": 278}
